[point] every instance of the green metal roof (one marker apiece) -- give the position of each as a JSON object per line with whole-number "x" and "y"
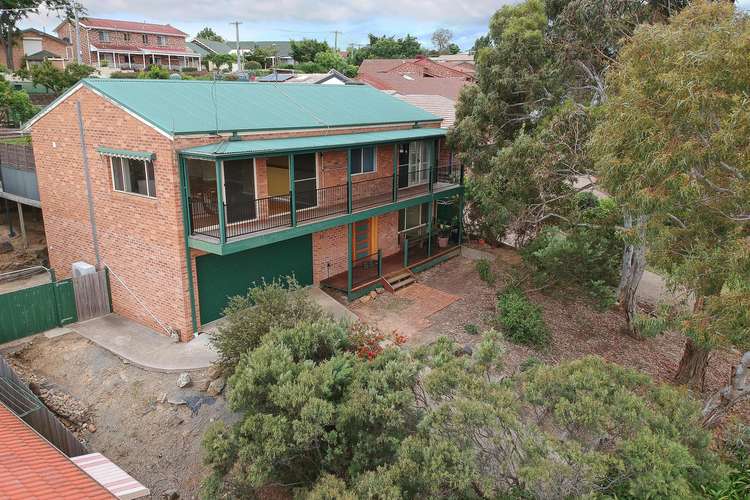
{"x": 202, "y": 106}
{"x": 125, "y": 153}
{"x": 316, "y": 143}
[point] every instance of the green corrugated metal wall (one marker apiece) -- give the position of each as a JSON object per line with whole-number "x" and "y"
{"x": 33, "y": 310}
{"x": 221, "y": 277}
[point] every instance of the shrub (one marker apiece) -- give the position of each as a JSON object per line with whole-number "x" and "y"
{"x": 189, "y": 69}
{"x": 586, "y": 256}
{"x": 735, "y": 450}
{"x": 471, "y": 329}
{"x": 279, "y": 304}
{"x": 123, "y": 74}
{"x": 520, "y": 320}
{"x": 252, "y": 65}
{"x": 484, "y": 269}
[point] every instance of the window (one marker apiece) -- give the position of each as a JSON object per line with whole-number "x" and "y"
{"x": 161, "y": 40}
{"x": 126, "y": 37}
{"x": 363, "y": 160}
{"x": 412, "y": 217}
{"x": 144, "y": 37}
{"x": 104, "y": 36}
{"x": 133, "y": 176}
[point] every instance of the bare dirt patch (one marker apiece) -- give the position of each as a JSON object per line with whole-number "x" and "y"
{"x": 158, "y": 443}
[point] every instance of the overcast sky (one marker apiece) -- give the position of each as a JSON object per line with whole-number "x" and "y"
{"x": 295, "y": 19}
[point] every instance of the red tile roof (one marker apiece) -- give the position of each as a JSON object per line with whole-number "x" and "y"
{"x": 112, "y": 24}
{"x": 436, "y": 104}
{"x": 30, "y": 467}
{"x": 412, "y": 84}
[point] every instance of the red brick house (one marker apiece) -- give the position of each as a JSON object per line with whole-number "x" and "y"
{"x": 128, "y": 44}
{"x": 34, "y": 45}
{"x": 200, "y": 189}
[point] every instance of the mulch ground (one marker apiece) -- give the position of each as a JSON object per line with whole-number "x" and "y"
{"x": 578, "y": 328}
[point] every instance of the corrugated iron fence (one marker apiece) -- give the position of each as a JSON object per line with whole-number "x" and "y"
{"x": 38, "y": 417}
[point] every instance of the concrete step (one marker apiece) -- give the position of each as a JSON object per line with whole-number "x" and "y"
{"x": 398, "y": 280}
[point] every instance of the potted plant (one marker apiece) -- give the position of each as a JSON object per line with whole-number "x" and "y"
{"x": 443, "y": 235}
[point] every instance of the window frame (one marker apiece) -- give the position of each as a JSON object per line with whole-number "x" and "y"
{"x": 423, "y": 217}
{"x": 144, "y": 38}
{"x": 149, "y": 194}
{"x": 161, "y": 40}
{"x": 126, "y": 36}
{"x": 104, "y": 36}
{"x": 362, "y": 171}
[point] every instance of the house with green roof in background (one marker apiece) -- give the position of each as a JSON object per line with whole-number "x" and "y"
{"x": 190, "y": 192}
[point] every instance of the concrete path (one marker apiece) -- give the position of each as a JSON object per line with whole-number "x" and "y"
{"x": 330, "y": 305}
{"x": 145, "y": 348}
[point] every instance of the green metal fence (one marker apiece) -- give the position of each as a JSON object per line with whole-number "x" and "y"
{"x": 36, "y": 309}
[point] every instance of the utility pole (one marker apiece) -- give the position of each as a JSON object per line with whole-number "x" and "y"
{"x": 237, "y": 33}
{"x": 78, "y": 33}
{"x": 336, "y": 39}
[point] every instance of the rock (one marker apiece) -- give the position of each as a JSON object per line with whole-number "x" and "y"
{"x": 174, "y": 401}
{"x": 215, "y": 387}
{"x": 170, "y": 494}
{"x": 380, "y": 290}
{"x": 373, "y": 294}
{"x": 91, "y": 428}
{"x": 365, "y": 299}
{"x": 467, "y": 350}
{"x": 34, "y": 387}
{"x": 202, "y": 384}
{"x": 162, "y": 398}
{"x": 174, "y": 420}
{"x": 183, "y": 380}
{"x": 215, "y": 372}
{"x": 5, "y": 246}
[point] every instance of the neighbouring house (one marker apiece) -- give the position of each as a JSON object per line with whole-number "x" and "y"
{"x": 32, "y": 46}
{"x": 18, "y": 182}
{"x": 280, "y": 51}
{"x": 333, "y": 77}
{"x": 420, "y": 76}
{"x": 31, "y": 467}
{"x": 462, "y": 62}
{"x": 436, "y": 104}
{"x": 128, "y": 44}
{"x": 201, "y": 189}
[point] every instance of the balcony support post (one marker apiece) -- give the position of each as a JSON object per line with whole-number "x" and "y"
{"x": 460, "y": 216}
{"x": 350, "y": 243}
{"x": 395, "y": 172}
{"x": 406, "y": 252}
{"x": 220, "y": 207}
{"x": 348, "y": 181}
{"x": 292, "y": 192}
{"x": 430, "y": 208}
{"x": 187, "y": 229}
{"x": 433, "y": 165}
{"x": 380, "y": 263}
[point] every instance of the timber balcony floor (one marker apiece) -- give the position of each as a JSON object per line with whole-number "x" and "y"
{"x": 278, "y": 218}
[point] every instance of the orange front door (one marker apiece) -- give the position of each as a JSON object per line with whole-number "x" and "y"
{"x": 364, "y": 242}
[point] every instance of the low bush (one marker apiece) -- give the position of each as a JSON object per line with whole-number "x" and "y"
{"x": 471, "y": 329}
{"x": 520, "y": 320}
{"x": 252, "y": 65}
{"x": 189, "y": 69}
{"x": 279, "y": 304}
{"x": 484, "y": 269}
{"x": 735, "y": 450}
{"x": 123, "y": 74}
{"x": 587, "y": 255}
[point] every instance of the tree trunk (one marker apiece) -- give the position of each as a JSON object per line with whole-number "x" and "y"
{"x": 9, "y": 49}
{"x": 692, "y": 369}
{"x": 724, "y": 400}
{"x": 631, "y": 272}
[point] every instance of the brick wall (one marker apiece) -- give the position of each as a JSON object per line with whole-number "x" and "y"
{"x": 117, "y": 38}
{"x": 141, "y": 239}
{"x": 67, "y": 30}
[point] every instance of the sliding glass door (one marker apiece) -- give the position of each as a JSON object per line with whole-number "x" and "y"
{"x": 413, "y": 163}
{"x": 239, "y": 190}
{"x": 305, "y": 180}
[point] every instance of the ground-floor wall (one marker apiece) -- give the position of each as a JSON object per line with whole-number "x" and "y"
{"x": 330, "y": 247}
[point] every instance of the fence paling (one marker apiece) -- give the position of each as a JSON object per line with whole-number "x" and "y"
{"x": 91, "y": 295}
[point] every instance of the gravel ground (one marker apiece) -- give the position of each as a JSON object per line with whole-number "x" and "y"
{"x": 158, "y": 443}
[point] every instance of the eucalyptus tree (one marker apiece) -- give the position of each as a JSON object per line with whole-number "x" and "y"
{"x": 673, "y": 144}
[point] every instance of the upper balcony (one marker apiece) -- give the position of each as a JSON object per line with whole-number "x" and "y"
{"x": 233, "y": 197}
